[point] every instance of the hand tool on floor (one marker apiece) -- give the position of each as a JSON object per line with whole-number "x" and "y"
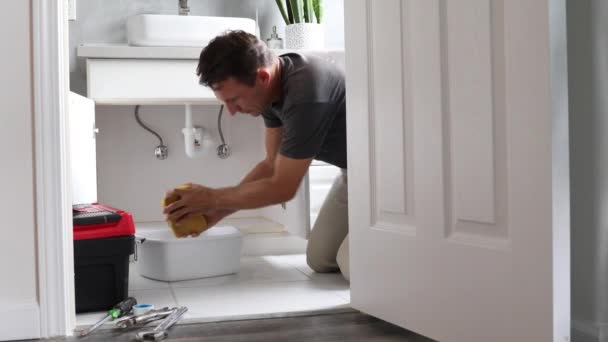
{"x": 117, "y": 311}
{"x": 138, "y": 310}
{"x": 160, "y": 332}
{"x": 148, "y": 317}
{"x": 141, "y": 309}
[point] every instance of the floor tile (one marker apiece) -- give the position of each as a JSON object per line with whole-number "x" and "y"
{"x": 268, "y": 286}
{"x": 160, "y": 298}
{"x": 253, "y": 270}
{"x": 333, "y": 282}
{"x": 138, "y": 282}
{"x": 260, "y": 300}
{"x": 296, "y": 260}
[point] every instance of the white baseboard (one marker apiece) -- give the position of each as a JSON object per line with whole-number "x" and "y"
{"x": 273, "y": 244}
{"x": 19, "y": 321}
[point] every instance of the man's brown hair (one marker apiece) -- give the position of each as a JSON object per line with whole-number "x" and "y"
{"x": 235, "y": 54}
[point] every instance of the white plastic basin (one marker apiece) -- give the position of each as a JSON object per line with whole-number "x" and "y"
{"x": 178, "y": 30}
{"x": 162, "y": 256}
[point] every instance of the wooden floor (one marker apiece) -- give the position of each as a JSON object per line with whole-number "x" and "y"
{"x": 336, "y": 327}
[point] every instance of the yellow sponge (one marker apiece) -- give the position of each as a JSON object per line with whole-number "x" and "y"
{"x": 192, "y": 225}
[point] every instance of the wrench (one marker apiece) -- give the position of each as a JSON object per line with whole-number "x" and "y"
{"x": 148, "y": 317}
{"x": 160, "y": 332}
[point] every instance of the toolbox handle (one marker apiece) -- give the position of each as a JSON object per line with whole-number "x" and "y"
{"x": 138, "y": 241}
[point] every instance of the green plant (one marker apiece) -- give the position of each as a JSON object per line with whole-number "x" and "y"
{"x": 301, "y": 11}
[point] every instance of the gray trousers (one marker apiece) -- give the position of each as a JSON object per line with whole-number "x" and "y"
{"x": 327, "y": 249}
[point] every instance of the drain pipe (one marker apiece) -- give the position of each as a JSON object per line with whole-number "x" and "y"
{"x": 183, "y": 8}
{"x": 195, "y": 142}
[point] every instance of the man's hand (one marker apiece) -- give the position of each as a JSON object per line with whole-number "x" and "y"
{"x": 194, "y": 199}
{"x": 213, "y": 218}
{"x": 216, "y": 216}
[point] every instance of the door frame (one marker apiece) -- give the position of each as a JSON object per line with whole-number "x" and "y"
{"x": 52, "y": 174}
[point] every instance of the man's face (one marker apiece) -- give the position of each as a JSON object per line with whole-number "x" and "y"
{"x": 241, "y": 98}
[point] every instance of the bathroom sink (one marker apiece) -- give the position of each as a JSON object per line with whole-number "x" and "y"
{"x": 178, "y": 30}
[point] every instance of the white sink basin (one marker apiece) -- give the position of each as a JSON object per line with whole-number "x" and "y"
{"x": 176, "y": 30}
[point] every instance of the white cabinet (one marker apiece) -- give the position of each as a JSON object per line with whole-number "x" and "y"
{"x": 145, "y": 81}
{"x": 121, "y": 74}
{"x": 83, "y": 158}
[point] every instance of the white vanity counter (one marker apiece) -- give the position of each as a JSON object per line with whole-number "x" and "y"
{"x": 137, "y": 52}
{"x": 123, "y": 74}
{"x": 118, "y": 51}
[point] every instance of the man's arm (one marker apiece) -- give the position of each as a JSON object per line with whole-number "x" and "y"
{"x": 280, "y": 187}
{"x": 282, "y": 184}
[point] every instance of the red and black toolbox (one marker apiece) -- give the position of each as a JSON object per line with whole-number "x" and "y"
{"x": 104, "y": 238}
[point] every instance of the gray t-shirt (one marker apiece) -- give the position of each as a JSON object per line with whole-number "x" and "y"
{"x": 312, "y": 110}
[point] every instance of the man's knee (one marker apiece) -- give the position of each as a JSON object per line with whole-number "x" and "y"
{"x": 320, "y": 264}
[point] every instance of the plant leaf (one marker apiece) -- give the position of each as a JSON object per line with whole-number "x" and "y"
{"x": 289, "y": 12}
{"x": 308, "y": 11}
{"x": 297, "y": 6}
{"x": 318, "y": 8}
{"x": 282, "y": 10}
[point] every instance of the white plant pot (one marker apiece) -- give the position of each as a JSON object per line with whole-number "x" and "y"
{"x": 308, "y": 36}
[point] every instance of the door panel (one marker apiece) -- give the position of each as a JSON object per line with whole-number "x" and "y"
{"x": 474, "y": 114}
{"x": 455, "y": 171}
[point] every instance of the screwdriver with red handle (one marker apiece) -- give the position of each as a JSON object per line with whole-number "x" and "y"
{"x": 117, "y": 311}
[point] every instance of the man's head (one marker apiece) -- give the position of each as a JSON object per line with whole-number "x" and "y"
{"x": 240, "y": 69}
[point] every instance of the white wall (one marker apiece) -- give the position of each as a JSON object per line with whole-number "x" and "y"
{"x": 18, "y": 289}
{"x": 588, "y": 87}
{"x": 131, "y": 178}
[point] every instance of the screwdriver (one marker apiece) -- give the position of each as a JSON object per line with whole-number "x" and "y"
{"x": 118, "y": 310}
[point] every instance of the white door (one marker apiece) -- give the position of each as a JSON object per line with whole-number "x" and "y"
{"x": 83, "y": 154}
{"x": 458, "y": 167}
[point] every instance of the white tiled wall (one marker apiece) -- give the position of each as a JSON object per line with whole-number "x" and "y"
{"x": 130, "y": 177}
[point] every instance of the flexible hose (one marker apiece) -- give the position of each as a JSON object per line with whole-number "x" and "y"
{"x": 144, "y": 126}
{"x": 219, "y": 124}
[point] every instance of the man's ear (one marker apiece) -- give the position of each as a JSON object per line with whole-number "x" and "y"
{"x": 263, "y": 75}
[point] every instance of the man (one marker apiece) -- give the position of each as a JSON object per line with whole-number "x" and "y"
{"x": 302, "y": 101}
